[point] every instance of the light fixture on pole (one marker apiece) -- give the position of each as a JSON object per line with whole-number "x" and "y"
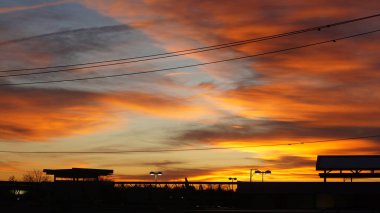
{"x": 258, "y": 172}
{"x": 232, "y": 181}
{"x": 155, "y": 174}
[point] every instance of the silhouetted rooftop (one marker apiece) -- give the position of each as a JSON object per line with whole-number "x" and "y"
{"x": 348, "y": 162}
{"x": 76, "y": 173}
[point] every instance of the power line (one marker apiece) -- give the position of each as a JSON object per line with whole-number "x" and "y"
{"x": 177, "y": 53}
{"x": 194, "y": 65}
{"x": 184, "y": 150}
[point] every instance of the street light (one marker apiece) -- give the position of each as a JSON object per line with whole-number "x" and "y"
{"x": 232, "y": 181}
{"x": 258, "y": 172}
{"x": 250, "y": 175}
{"x": 156, "y": 174}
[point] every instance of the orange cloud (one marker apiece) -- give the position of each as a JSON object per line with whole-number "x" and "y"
{"x": 10, "y": 166}
{"x": 342, "y": 106}
{"x": 42, "y": 114}
{"x": 156, "y": 105}
{"x": 230, "y": 21}
{"x": 323, "y": 92}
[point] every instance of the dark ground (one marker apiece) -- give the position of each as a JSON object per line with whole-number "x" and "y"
{"x": 267, "y": 197}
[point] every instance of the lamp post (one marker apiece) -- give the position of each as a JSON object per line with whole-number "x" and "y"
{"x": 232, "y": 181}
{"x": 250, "y": 175}
{"x": 155, "y": 174}
{"x": 258, "y": 172}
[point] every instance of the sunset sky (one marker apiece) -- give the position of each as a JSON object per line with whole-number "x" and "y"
{"x": 324, "y": 92}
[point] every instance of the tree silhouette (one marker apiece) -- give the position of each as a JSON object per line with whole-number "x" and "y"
{"x": 12, "y": 179}
{"x": 35, "y": 176}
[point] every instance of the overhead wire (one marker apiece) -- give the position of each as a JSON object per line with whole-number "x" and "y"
{"x": 188, "y": 149}
{"x": 194, "y": 65}
{"x": 97, "y": 64}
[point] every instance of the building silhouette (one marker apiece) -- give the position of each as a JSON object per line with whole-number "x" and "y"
{"x": 78, "y": 174}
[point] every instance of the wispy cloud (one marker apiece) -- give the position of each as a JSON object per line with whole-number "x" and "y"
{"x": 324, "y": 92}
{"x": 10, "y": 166}
{"x": 85, "y": 32}
{"x": 33, "y": 7}
{"x": 41, "y": 114}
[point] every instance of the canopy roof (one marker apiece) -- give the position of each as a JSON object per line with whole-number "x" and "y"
{"x": 78, "y": 172}
{"x": 348, "y": 162}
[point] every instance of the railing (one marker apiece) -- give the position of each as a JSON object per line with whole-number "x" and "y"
{"x": 198, "y": 185}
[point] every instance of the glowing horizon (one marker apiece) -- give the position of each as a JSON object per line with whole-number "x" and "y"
{"x": 324, "y": 92}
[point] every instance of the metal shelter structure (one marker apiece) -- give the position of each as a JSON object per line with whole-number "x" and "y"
{"x": 77, "y": 174}
{"x": 348, "y": 166}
